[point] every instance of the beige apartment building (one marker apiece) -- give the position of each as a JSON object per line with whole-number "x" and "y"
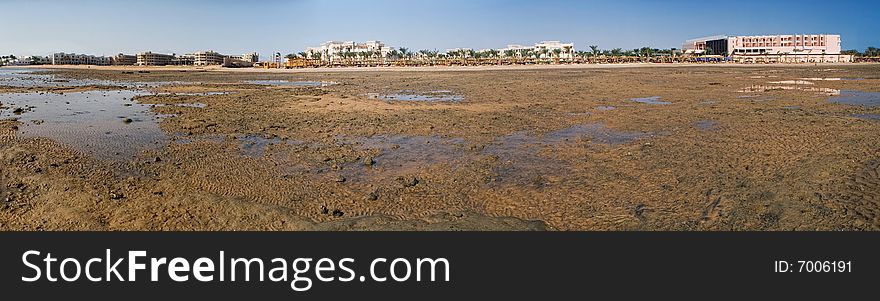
{"x": 153, "y": 59}
{"x": 206, "y": 58}
{"x": 183, "y": 60}
{"x": 124, "y": 60}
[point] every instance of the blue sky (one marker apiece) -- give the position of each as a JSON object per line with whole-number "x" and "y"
{"x": 40, "y": 27}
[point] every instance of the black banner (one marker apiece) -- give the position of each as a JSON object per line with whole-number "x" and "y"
{"x": 490, "y": 266}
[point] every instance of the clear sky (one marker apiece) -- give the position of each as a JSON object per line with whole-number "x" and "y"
{"x": 103, "y": 27}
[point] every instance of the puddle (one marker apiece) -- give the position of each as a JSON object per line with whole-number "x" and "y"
{"x": 103, "y": 124}
{"x": 290, "y": 83}
{"x": 594, "y": 132}
{"x": 433, "y": 96}
{"x": 403, "y": 155}
{"x": 521, "y": 162}
{"x": 757, "y": 98}
{"x": 29, "y": 78}
{"x": 519, "y": 155}
{"x": 867, "y": 116}
{"x": 180, "y": 138}
{"x": 194, "y": 93}
{"x": 792, "y": 107}
{"x": 252, "y": 146}
{"x": 256, "y": 146}
{"x": 605, "y": 108}
{"x": 185, "y": 105}
{"x": 857, "y": 98}
{"x": 832, "y": 78}
{"x": 706, "y": 125}
{"x": 792, "y": 82}
{"x": 767, "y": 88}
{"x": 654, "y": 100}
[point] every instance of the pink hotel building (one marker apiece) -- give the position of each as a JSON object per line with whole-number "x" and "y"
{"x": 772, "y": 48}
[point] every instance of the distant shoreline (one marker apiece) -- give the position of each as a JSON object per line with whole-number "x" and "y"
{"x": 425, "y": 68}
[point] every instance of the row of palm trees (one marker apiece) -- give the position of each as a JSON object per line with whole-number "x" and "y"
{"x": 7, "y": 58}
{"x": 403, "y": 53}
{"x": 404, "y": 56}
{"x": 872, "y": 52}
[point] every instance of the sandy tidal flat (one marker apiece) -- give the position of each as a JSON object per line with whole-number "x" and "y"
{"x": 672, "y": 148}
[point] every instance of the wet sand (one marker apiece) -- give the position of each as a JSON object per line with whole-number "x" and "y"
{"x": 672, "y": 148}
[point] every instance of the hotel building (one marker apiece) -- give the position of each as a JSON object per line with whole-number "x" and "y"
{"x": 183, "y": 60}
{"x": 205, "y": 58}
{"x": 777, "y": 48}
{"x": 252, "y": 57}
{"x": 153, "y": 59}
{"x": 79, "y": 59}
{"x": 124, "y": 60}
{"x": 566, "y": 49}
{"x": 244, "y": 60}
{"x": 330, "y": 50}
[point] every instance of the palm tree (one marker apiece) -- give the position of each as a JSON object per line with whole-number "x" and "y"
{"x": 433, "y": 55}
{"x": 291, "y": 56}
{"x": 557, "y": 52}
{"x": 595, "y": 50}
{"x": 569, "y": 51}
{"x": 616, "y": 52}
{"x": 541, "y": 53}
{"x": 302, "y": 54}
{"x": 404, "y": 52}
{"x": 510, "y": 54}
{"x": 530, "y": 53}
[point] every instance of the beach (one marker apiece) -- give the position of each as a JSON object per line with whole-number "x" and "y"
{"x": 567, "y": 147}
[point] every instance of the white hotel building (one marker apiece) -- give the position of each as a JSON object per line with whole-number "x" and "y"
{"x": 330, "y": 50}
{"x": 780, "y": 48}
{"x": 567, "y": 49}
{"x": 79, "y": 59}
